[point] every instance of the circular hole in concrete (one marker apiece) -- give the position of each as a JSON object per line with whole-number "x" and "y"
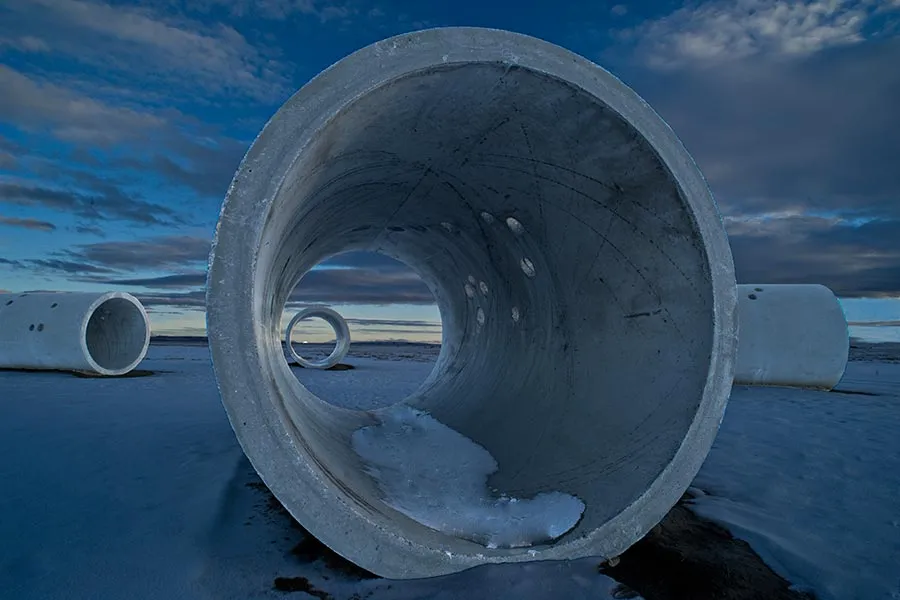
{"x": 116, "y": 334}
{"x": 8, "y": 302}
{"x": 527, "y": 266}
{"x": 31, "y": 327}
{"x": 307, "y": 222}
{"x": 752, "y": 296}
{"x": 54, "y": 305}
{"x": 487, "y": 217}
{"x": 757, "y": 289}
{"x": 447, "y": 226}
{"x": 484, "y": 288}
{"x": 310, "y": 340}
{"x": 515, "y": 314}
{"x": 40, "y": 327}
{"x": 479, "y": 316}
{"x": 394, "y": 323}
{"x": 515, "y": 226}
{"x": 470, "y": 291}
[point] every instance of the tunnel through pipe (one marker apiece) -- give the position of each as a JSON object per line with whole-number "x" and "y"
{"x": 582, "y": 271}
{"x": 105, "y": 333}
{"x": 341, "y": 333}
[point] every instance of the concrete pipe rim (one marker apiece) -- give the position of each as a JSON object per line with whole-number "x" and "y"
{"x": 341, "y": 332}
{"x": 136, "y": 346}
{"x": 242, "y": 349}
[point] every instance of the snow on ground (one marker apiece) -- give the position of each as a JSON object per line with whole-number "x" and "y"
{"x": 438, "y": 477}
{"x": 136, "y": 488}
{"x": 812, "y": 481}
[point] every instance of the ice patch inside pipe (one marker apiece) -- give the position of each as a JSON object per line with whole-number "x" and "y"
{"x": 438, "y": 477}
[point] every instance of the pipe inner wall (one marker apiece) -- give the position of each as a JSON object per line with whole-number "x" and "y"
{"x": 580, "y": 265}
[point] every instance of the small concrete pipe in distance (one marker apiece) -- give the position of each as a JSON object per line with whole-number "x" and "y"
{"x": 105, "y": 333}
{"x": 580, "y": 265}
{"x": 790, "y": 335}
{"x": 341, "y": 332}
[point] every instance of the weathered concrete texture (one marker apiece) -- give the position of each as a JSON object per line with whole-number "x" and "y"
{"x": 341, "y": 332}
{"x": 583, "y": 274}
{"x": 791, "y": 335}
{"x": 105, "y": 333}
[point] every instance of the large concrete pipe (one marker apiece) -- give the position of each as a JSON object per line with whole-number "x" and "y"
{"x": 582, "y": 271}
{"x": 791, "y": 335}
{"x": 105, "y": 333}
{"x": 341, "y": 334}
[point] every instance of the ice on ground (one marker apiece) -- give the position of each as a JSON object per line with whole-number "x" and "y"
{"x": 811, "y": 480}
{"x": 438, "y": 477}
{"x": 137, "y": 488}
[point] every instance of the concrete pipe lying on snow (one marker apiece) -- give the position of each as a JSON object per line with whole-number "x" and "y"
{"x": 106, "y": 333}
{"x": 585, "y": 284}
{"x": 791, "y": 335}
{"x": 341, "y": 332}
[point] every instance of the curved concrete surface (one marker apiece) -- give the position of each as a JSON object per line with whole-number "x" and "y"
{"x": 583, "y": 275}
{"x": 106, "y": 333}
{"x": 341, "y": 332}
{"x": 791, "y": 335}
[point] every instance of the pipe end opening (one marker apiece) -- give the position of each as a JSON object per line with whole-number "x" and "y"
{"x": 117, "y": 335}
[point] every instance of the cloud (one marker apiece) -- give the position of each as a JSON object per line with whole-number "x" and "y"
{"x": 209, "y": 169}
{"x": 90, "y": 230}
{"x": 27, "y": 223}
{"x": 165, "y": 50}
{"x": 179, "y": 280}
{"x": 44, "y": 107}
{"x": 350, "y": 278}
{"x": 111, "y": 203}
{"x": 362, "y": 286}
{"x": 619, "y": 10}
{"x": 195, "y": 299}
{"x": 796, "y": 142}
{"x": 721, "y": 31}
{"x": 25, "y": 43}
{"x": 181, "y": 149}
{"x": 393, "y": 323}
{"x": 851, "y": 259}
{"x": 170, "y": 251}
{"x": 807, "y": 136}
{"x": 277, "y": 10}
{"x": 66, "y": 266}
{"x": 364, "y": 260}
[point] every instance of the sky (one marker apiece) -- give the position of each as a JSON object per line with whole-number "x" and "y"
{"x": 122, "y": 122}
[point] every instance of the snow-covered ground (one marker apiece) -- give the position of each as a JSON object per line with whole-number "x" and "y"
{"x": 136, "y": 488}
{"x": 812, "y": 481}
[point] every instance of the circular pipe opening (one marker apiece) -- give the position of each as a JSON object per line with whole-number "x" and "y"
{"x": 587, "y": 347}
{"x": 341, "y": 332}
{"x": 117, "y": 334}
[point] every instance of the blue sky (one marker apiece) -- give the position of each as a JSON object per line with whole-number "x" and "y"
{"x": 121, "y": 124}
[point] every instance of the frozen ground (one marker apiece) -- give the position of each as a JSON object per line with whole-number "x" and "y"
{"x": 136, "y": 488}
{"x": 413, "y": 457}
